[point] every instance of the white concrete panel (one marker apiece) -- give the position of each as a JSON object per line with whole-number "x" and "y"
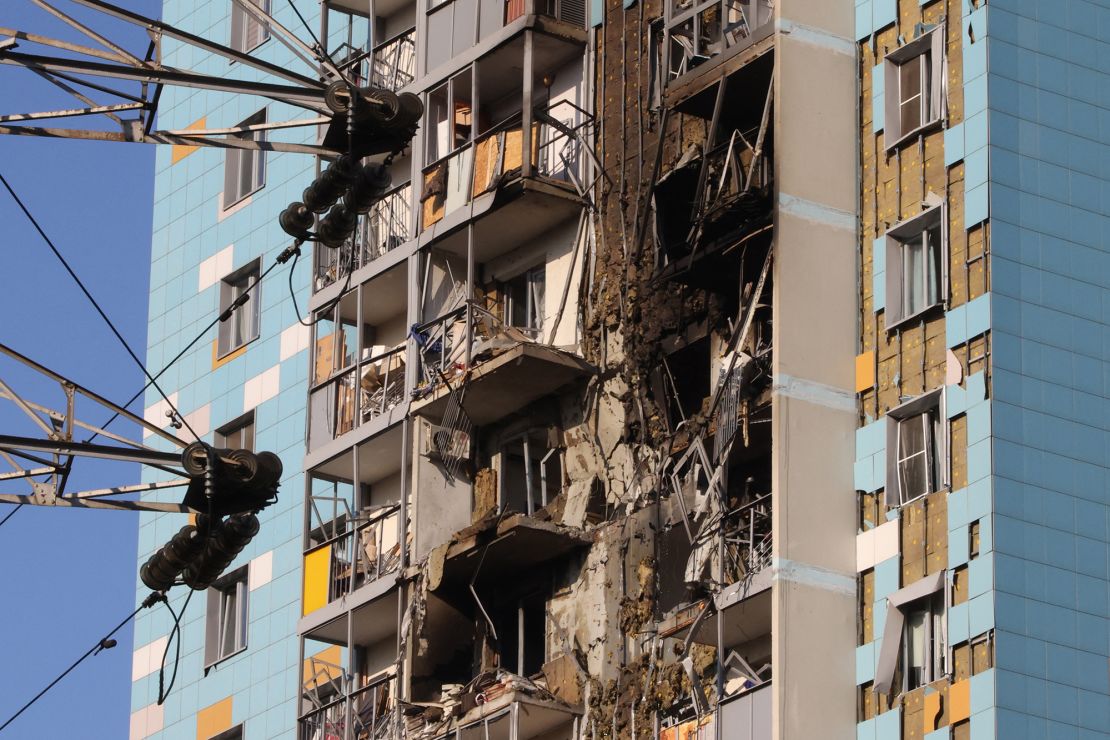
{"x": 213, "y": 269}
{"x": 261, "y": 387}
{"x": 201, "y": 420}
{"x": 865, "y": 550}
{"x": 146, "y": 721}
{"x": 887, "y": 541}
{"x": 294, "y": 340}
{"x": 261, "y": 570}
{"x": 148, "y": 658}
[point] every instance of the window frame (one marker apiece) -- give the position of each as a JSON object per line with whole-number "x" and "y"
{"x": 928, "y": 402}
{"x": 935, "y": 638}
{"x": 249, "y": 272}
{"x": 236, "y": 426}
{"x": 214, "y": 633}
{"x": 233, "y": 162}
{"x": 240, "y": 25}
{"x": 533, "y": 310}
{"x": 232, "y": 733}
{"x": 933, "y": 218}
{"x": 932, "y": 44}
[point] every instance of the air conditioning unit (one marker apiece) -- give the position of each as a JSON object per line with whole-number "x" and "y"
{"x": 446, "y": 443}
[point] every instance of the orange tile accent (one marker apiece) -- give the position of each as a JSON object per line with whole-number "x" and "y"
{"x": 214, "y": 719}
{"x": 218, "y": 361}
{"x": 327, "y": 665}
{"x": 959, "y": 701}
{"x": 180, "y": 151}
{"x": 865, "y": 371}
{"x": 932, "y": 711}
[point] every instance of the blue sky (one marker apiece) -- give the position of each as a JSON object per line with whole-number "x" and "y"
{"x": 68, "y": 576}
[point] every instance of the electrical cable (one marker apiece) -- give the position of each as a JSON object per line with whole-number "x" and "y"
{"x": 176, "y": 631}
{"x": 102, "y": 644}
{"x": 99, "y": 310}
{"x": 222, "y": 317}
{"x": 323, "y": 310}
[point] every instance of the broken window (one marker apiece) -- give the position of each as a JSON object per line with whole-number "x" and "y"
{"x": 245, "y": 169}
{"x": 923, "y": 645}
{"x": 450, "y": 116}
{"x": 522, "y": 635}
{"x": 916, "y": 455}
{"x": 914, "y": 86}
{"x": 531, "y": 471}
{"x": 243, "y": 325}
{"x": 916, "y": 438}
{"x": 973, "y": 540}
{"x": 226, "y": 621}
{"x": 524, "y": 296}
{"x": 916, "y": 254}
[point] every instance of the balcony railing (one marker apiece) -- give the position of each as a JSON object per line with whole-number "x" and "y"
{"x": 697, "y": 34}
{"x": 356, "y": 395}
{"x": 365, "y": 713}
{"x": 497, "y": 156}
{"x": 394, "y": 62}
{"x": 362, "y": 550}
{"x": 384, "y": 228}
{"x": 442, "y": 343}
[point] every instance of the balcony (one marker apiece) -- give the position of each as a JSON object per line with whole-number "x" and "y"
{"x": 383, "y": 229}
{"x": 455, "y": 27}
{"x": 369, "y": 389}
{"x": 487, "y": 179}
{"x": 349, "y": 550}
{"x": 511, "y": 716}
{"x": 393, "y": 64}
{"x": 696, "y": 35}
{"x": 340, "y": 711}
{"x": 503, "y": 367}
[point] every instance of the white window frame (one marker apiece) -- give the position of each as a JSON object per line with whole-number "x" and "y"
{"x": 237, "y": 161}
{"x": 891, "y": 646}
{"x": 926, "y": 50}
{"x": 910, "y": 412}
{"x": 923, "y": 225}
{"x": 251, "y": 312}
{"x": 218, "y": 621}
{"x": 934, "y": 637}
{"x": 243, "y": 25}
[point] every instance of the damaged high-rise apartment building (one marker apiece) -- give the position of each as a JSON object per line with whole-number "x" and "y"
{"x": 574, "y": 439}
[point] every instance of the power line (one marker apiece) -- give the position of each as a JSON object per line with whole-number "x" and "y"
{"x": 102, "y": 644}
{"x": 224, "y": 316}
{"x": 93, "y": 301}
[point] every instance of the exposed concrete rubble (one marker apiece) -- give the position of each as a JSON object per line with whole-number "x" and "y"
{"x": 617, "y": 586}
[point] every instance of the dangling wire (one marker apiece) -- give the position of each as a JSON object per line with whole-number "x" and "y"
{"x": 322, "y": 311}
{"x": 163, "y": 693}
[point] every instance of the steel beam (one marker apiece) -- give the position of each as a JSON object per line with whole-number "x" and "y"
{"x": 311, "y": 98}
{"x": 12, "y": 443}
{"x": 71, "y": 112}
{"x": 83, "y": 503}
{"x": 157, "y": 27}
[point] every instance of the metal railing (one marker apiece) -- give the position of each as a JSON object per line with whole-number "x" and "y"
{"x": 363, "y": 549}
{"x": 365, "y": 713}
{"x": 747, "y": 532}
{"x": 394, "y": 62}
{"x": 557, "y": 146}
{"x": 356, "y": 395}
{"x": 696, "y": 33}
{"x": 449, "y": 344}
{"x": 386, "y": 227}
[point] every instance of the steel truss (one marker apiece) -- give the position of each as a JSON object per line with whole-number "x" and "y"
{"x": 46, "y": 461}
{"x": 106, "y": 61}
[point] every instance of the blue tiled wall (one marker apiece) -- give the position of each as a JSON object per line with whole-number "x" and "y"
{"x": 1049, "y": 112}
{"x": 187, "y": 230}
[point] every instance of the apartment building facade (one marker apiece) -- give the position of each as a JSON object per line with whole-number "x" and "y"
{"x": 980, "y": 459}
{"x": 568, "y": 424}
